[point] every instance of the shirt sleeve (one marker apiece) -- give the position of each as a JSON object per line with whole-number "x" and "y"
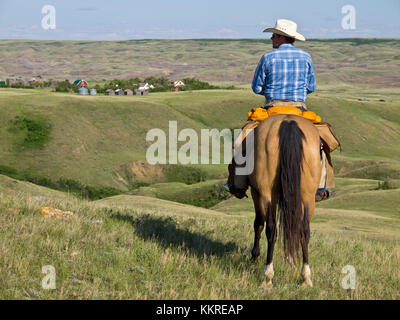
{"x": 311, "y": 83}
{"x": 258, "y": 84}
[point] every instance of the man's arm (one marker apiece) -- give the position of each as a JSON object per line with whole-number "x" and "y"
{"x": 311, "y": 83}
{"x": 258, "y": 84}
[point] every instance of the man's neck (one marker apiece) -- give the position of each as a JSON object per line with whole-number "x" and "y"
{"x": 284, "y": 44}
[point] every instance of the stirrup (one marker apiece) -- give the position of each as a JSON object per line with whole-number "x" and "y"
{"x": 238, "y": 193}
{"x": 324, "y": 195}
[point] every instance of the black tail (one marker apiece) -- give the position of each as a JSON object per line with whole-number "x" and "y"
{"x": 290, "y": 158}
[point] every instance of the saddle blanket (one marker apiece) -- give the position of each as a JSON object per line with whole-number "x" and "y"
{"x": 326, "y": 132}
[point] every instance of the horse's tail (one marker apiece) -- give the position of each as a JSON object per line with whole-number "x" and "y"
{"x": 290, "y": 207}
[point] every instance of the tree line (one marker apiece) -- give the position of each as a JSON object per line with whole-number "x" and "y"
{"x": 160, "y": 85}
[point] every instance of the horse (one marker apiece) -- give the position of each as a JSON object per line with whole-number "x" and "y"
{"x": 286, "y": 174}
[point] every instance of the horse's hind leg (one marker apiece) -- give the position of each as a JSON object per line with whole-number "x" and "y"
{"x": 271, "y": 237}
{"x": 305, "y": 238}
{"x": 259, "y": 221}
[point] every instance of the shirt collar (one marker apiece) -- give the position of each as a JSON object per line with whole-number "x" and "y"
{"x": 286, "y": 45}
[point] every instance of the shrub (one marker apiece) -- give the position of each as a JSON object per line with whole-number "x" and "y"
{"x": 64, "y": 86}
{"x": 35, "y": 131}
{"x": 185, "y": 174}
{"x": 195, "y": 84}
{"x": 8, "y": 171}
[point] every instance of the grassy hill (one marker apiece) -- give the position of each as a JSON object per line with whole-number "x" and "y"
{"x": 172, "y": 232}
{"x": 142, "y": 247}
{"x": 132, "y": 247}
{"x": 95, "y": 139}
{"x": 373, "y": 61}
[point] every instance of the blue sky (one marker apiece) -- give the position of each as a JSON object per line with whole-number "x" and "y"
{"x": 173, "y": 19}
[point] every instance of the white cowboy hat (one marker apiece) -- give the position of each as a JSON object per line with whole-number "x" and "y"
{"x": 286, "y": 28}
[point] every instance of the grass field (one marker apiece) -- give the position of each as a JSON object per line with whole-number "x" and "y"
{"x": 173, "y": 233}
{"x": 337, "y": 61}
{"x": 94, "y": 139}
{"x": 137, "y": 248}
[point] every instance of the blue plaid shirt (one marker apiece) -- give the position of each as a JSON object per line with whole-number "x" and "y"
{"x": 285, "y": 73}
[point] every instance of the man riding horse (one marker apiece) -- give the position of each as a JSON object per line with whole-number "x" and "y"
{"x": 283, "y": 152}
{"x": 285, "y": 76}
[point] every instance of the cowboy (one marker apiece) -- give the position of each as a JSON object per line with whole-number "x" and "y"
{"x": 285, "y": 76}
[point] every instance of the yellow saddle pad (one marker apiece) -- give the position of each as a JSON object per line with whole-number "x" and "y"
{"x": 259, "y": 114}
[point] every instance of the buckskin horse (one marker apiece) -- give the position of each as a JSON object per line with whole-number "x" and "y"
{"x": 287, "y": 171}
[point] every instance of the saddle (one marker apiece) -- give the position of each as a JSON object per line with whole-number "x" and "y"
{"x": 259, "y": 114}
{"x": 327, "y": 134}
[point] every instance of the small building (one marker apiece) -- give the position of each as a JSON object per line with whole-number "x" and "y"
{"x": 178, "y": 84}
{"x": 93, "y": 92}
{"x": 83, "y": 91}
{"x": 119, "y": 92}
{"x": 80, "y": 83}
{"x": 145, "y": 86}
{"x": 3, "y": 83}
{"x": 128, "y": 92}
{"x": 142, "y": 92}
{"x": 176, "y": 89}
{"x": 110, "y": 92}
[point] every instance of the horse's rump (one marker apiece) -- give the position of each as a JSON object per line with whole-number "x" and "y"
{"x": 287, "y": 171}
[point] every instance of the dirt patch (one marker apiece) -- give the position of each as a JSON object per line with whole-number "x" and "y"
{"x": 140, "y": 171}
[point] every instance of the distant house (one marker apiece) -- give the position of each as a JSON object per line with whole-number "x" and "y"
{"x": 176, "y": 89}
{"x": 145, "y": 86}
{"x": 93, "y": 92}
{"x": 33, "y": 80}
{"x": 178, "y": 84}
{"x": 80, "y": 83}
{"x": 110, "y": 92}
{"x": 128, "y": 92}
{"x": 3, "y": 83}
{"x": 142, "y": 92}
{"x": 83, "y": 91}
{"x": 119, "y": 92}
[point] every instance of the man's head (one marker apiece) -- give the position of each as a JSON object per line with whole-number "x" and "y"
{"x": 278, "y": 39}
{"x": 285, "y": 31}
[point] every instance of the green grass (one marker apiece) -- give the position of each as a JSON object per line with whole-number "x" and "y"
{"x": 64, "y": 184}
{"x": 94, "y": 138}
{"x": 204, "y": 194}
{"x": 174, "y": 233}
{"x": 30, "y": 132}
{"x": 185, "y": 174}
{"x": 113, "y": 250}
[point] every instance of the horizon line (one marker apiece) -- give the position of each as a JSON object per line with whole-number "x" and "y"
{"x": 183, "y": 39}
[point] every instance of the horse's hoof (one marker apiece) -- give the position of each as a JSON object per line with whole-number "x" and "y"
{"x": 307, "y": 283}
{"x": 254, "y": 257}
{"x": 267, "y": 285}
{"x": 306, "y": 274}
